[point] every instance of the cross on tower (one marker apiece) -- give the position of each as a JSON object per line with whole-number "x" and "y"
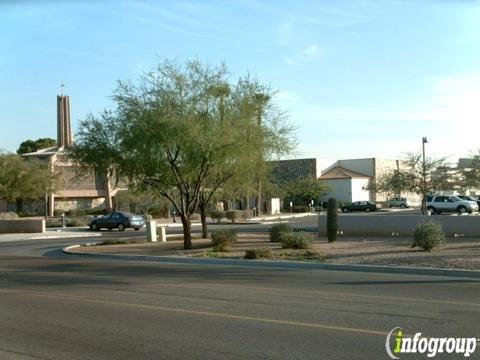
{"x": 62, "y": 85}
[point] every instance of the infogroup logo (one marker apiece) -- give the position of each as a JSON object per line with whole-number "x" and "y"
{"x": 430, "y": 346}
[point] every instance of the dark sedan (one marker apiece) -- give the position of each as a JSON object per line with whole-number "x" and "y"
{"x": 119, "y": 220}
{"x": 360, "y": 206}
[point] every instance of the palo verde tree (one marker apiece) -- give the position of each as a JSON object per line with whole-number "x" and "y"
{"x": 180, "y": 132}
{"x": 261, "y": 133}
{"x": 98, "y": 148}
{"x": 417, "y": 177}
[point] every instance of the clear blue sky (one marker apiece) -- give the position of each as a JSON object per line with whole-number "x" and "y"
{"x": 359, "y": 78}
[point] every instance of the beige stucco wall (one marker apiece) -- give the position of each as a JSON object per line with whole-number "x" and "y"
{"x": 340, "y": 189}
{"x": 403, "y": 225}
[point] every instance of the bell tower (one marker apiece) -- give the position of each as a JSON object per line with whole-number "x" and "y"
{"x": 64, "y": 129}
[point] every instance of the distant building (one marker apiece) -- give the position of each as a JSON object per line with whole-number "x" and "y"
{"x": 74, "y": 192}
{"x": 349, "y": 179}
{"x": 464, "y": 163}
{"x": 346, "y": 185}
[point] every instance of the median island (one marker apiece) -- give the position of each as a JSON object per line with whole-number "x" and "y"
{"x": 454, "y": 253}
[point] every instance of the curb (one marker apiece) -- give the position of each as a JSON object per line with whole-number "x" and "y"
{"x": 62, "y": 236}
{"x": 184, "y": 260}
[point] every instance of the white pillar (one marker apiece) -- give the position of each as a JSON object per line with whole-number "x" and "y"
{"x": 163, "y": 235}
{"x": 151, "y": 231}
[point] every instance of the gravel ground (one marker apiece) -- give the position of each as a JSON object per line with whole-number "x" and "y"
{"x": 457, "y": 253}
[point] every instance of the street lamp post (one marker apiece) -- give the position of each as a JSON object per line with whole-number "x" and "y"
{"x": 424, "y": 177}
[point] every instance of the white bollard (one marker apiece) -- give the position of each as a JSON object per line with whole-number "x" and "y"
{"x": 151, "y": 231}
{"x": 163, "y": 235}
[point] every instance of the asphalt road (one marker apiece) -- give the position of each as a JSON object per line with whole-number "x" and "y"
{"x": 72, "y": 308}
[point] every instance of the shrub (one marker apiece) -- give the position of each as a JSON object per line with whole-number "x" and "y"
{"x": 74, "y": 222}
{"x": 53, "y": 222}
{"x": 76, "y": 212}
{"x": 277, "y": 229}
{"x": 115, "y": 242}
{"x": 30, "y": 214}
{"x": 332, "y": 219}
{"x": 195, "y": 216}
{"x": 8, "y": 215}
{"x": 247, "y": 214}
{"x": 95, "y": 211}
{"x": 257, "y": 254}
{"x": 302, "y": 255}
{"x": 217, "y": 215}
{"x": 428, "y": 235}
{"x": 233, "y": 215}
{"x": 300, "y": 209}
{"x": 222, "y": 239}
{"x": 296, "y": 240}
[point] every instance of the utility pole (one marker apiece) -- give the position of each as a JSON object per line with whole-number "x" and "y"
{"x": 424, "y": 177}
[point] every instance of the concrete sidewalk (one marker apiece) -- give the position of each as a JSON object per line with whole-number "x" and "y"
{"x": 264, "y": 219}
{"x": 280, "y": 217}
{"x": 50, "y": 234}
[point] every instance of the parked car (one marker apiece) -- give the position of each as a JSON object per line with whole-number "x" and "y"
{"x": 471, "y": 198}
{"x": 443, "y": 203}
{"x": 118, "y": 219}
{"x": 398, "y": 202}
{"x": 361, "y": 206}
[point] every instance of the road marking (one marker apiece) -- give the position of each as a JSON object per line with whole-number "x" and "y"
{"x": 22, "y": 354}
{"x": 395, "y": 298}
{"x": 196, "y": 312}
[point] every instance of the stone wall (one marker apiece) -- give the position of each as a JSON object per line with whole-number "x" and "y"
{"x": 78, "y": 204}
{"x": 30, "y": 225}
{"x": 291, "y": 170}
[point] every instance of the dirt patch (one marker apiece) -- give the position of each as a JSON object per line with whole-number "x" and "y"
{"x": 457, "y": 253}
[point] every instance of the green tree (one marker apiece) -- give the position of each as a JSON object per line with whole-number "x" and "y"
{"x": 174, "y": 134}
{"x": 437, "y": 176}
{"x": 141, "y": 201}
{"x": 97, "y": 147}
{"x": 469, "y": 176}
{"x": 302, "y": 191}
{"x": 410, "y": 177}
{"x": 33, "y": 145}
{"x": 390, "y": 184}
{"x": 22, "y": 179}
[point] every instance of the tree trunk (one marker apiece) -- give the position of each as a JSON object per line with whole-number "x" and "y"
{"x": 259, "y": 201}
{"x": 203, "y": 218}
{"x": 187, "y": 232}
{"x": 19, "y": 205}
